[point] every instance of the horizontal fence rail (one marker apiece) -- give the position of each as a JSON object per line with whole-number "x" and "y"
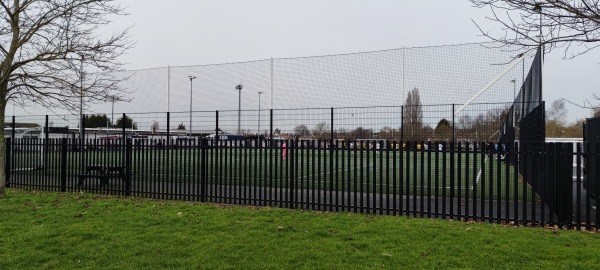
{"x": 462, "y": 181}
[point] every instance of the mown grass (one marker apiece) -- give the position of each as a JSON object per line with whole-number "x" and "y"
{"x": 69, "y": 230}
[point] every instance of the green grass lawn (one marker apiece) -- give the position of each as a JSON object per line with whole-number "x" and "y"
{"x": 83, "y": 231}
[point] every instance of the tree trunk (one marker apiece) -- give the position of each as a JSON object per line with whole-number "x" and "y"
{"x": 2, "y": 145}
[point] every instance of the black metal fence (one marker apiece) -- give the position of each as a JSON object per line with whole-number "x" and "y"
{"x": 464, "y": 181}
{"x": 591, "y": 136}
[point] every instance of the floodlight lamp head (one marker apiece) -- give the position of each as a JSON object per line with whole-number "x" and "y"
{"x": 260, "y": 92}
{"x": 239, "y": 87}
{"x": 192, "y": 77}
{"x": 513, "y": 81}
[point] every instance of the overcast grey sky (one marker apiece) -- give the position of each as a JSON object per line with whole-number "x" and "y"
{"x": 197, "y": 32}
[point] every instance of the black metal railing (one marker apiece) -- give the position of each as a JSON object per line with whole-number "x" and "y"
{"x": 463, "y": 181}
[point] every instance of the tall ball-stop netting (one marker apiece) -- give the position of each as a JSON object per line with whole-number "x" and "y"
{"x": 468, "y": 85}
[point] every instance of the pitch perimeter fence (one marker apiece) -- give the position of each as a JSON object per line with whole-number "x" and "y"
{"x": 466, "y": 181}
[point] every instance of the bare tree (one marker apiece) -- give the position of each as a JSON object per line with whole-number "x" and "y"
{"x": 413, "y": 115}
{"x": 45, "y": 46}
{"x": 302, "y": 131}
{"x": 555, "y": 24}
{"x": 320, "y": 132}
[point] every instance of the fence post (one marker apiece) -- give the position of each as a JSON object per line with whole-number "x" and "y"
{"x": 8, "y": 145}
{"x": 331, "y": 121}
{"x": 63, "y": 165}
{"x": 123, "y": 129}
{"x": 401, "y": 126}
{"x": 271, "y": 128}
{"x": 45, "y": 147}
{"x": 453, "y": 124}
{"x": 168, "y": 128}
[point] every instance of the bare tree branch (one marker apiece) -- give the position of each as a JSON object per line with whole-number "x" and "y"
{"x": 572, "y": 25}
{"x": 51, "y": 54}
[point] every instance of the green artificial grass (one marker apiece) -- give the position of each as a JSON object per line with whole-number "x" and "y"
{"x": 42, "y": 230}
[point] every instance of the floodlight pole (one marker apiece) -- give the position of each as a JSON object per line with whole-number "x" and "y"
{"x": 191, "y": 88}
{"x": 112, "y": 115}
{"x": 239, "y": 88}
{"x": 258, "y": 130}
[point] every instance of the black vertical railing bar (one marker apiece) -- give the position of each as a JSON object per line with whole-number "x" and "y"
{"x": 355, "y": 176}
{"x": 524, "y": 182}
{"x": 578, "y": 180}
{"x": 499, "y": 184}
{"x": 230, "y": 180}
{"x": 444, "y": 179}
{"x": 12, "y": 150}
{"x": 515, "y": 180}
{"x": 422, "y": 180}
{"x": 415, "y": 176}
{"x": 548, "y": 154}
{"x": 394, "y": 177}
{"x": 254, "y": 172}
{"x": 376, "y": 171}
{"x": 459, "y": 185}
{"x": 379, "y": 153}
{"x": 387, "y": 177}
{"x": 296, "y": 179}
{"x": 270, "y": 160}
{"x": 505, "y": 161}
{"x": 262, "y": 172}
{"x": 362, "y": 178}
{"x": 474, "y": 179}
{"x": 45, "y": 148}
{"x": 368, "y": 179}
{"x": 342, "y": 176}
{"x": 429, "y": 178}
{"x": 338, "y": 149}
{"x": 452, "y": 175}
{"x": 303, "y": 177}
{"x": 484, "y": 155}
{"x": 282, "y": 174}
{"x": 596, "y": 154}
{"x": 534, "y": 201}
{"x": 291, "y": 173}
{"x": 330, "y": 174}
{"x": 313, "y": 174}
{"x": 436, "y": 189}
{"x": 490, "y": 183}
{"x": 401, "y": 180}
{"x": 467, "y": 175}
{"x": 247, "y": 185}
{"x": 218, "y": 163}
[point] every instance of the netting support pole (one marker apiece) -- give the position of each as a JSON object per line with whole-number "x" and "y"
{"x": 332, "y": 135}
{"x": 271, "y": 84}
{"x": 453, "y": 124}
{"x": 168, "y": 127}
{"x": 401, "y": 123}
{"x": 492, "y": 82}
{"x": 271, "y": 128}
